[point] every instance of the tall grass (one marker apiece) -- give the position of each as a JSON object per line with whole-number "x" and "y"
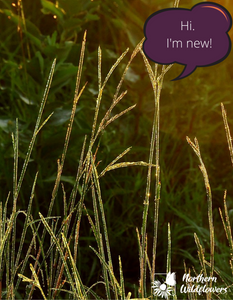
{"x": 63, "y": 231}
{"x": 47, "y": 266}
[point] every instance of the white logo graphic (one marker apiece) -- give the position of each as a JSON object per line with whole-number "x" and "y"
{"x": 164, "y": 289}
{"x": 171, "y": 279}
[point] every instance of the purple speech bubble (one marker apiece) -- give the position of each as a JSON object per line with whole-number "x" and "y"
{"x": 196, "y": 37}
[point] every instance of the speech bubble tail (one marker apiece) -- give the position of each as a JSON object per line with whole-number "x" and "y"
{"x": 189, "y": 69}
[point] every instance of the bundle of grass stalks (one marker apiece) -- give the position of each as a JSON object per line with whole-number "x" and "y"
{"x": 42, "y": 251}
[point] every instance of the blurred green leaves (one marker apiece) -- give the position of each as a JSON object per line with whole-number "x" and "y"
{"x": 51, "y": 8}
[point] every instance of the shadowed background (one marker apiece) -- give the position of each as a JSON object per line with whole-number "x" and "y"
{"x": 32, "y": 34}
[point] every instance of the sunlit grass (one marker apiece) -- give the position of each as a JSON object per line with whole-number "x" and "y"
{"x": 43, "y": 259}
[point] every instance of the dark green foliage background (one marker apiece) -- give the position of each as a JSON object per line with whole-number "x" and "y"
{"x": 188, "y": 107}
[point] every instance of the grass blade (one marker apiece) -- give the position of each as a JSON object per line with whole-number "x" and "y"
{"x": 196, "y": 149}
{"x": 55, "y": 240}
{"x": 37, "y": 126}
